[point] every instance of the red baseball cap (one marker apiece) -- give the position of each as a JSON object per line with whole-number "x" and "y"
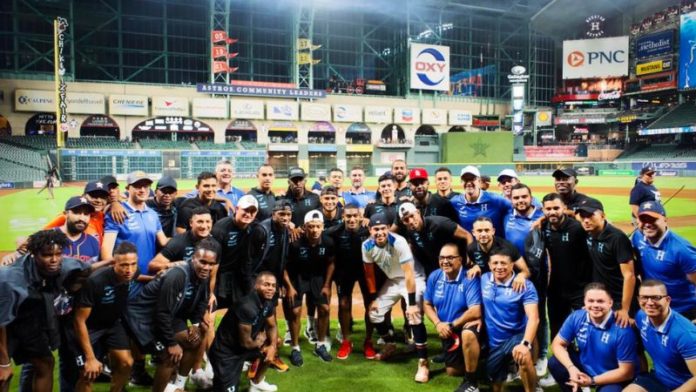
{"x": 418, "y": 173}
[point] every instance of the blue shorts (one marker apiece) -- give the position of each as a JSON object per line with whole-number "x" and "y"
{"x": 500, "y": 357}
{"x": 649, "y": 382}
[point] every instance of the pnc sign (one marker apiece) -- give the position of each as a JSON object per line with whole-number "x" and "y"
{"x": 595, "y": 58}
{"x": 430, "y": 67}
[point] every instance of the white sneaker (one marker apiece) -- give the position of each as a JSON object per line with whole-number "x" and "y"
{"x": 246, "y": 366}
{"x": 339, "y": 336}
{"x": 327, "y": 343}
{"x": 541, "y": 366}
{"x": 262, "y": 386}
{"x": 201, "y": 380}
{"x": 208, "y": 368}
{"x": 547, "y": 381}
{"x": 380, "y": 341}
{"x": 172, "y": 388}
{"x": 311, "y": 335}
{"x": 287, "y": 339}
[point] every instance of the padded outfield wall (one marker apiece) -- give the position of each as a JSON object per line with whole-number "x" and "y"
{"x": 477, "y": 147}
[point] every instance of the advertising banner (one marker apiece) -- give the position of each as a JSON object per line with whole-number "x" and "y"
{"x": 34, "y": 101}
{"x": 471, "y": 82}
{"x": 655, "y": 44}
{"x": 282, "y": 110}
{"x": 347, "y": 113}
{"x": 434, "y": 116}
{"x": 247, "y": 109}
{"x": 170, "y": 106}
{"x": 430, "y": 67}
{"x": 406, "y": 115}
{"x": 259, "y": 91}
{"x": 460, "y": 117}
{"x": 378, "y": 114}
{"x": 86, "y": 103}
{"x": 653, "y": 67}
{"x": 316, "y": 112}
{"x": 595, "y": 58}
{"x": 687, "y": 46}
{"x": 209, "y": 108}
{"x": 544, "y": 118}
{"x": 128, "y": 105}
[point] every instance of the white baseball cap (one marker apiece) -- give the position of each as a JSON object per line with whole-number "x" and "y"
{"x": 406, "y": 208}
{"x": 507, "y": 173}
{"x": 470, "y": 170}
{"x": 314, "y": 215}
{"x": 247, "y": 201}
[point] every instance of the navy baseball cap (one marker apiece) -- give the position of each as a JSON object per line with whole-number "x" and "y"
{"x": 108, "y": 181}
{"x": 647, "y": 169}
{"x": 77, "y": 201}
{"x": 296, "y": 172}
{"x": 329, "y": 190}
{"x": 379, "y": 219}
{"x": 566, "y": 172}
{"x": 166, "y": 182}
{"x": 282, "y": 205}
{"x": 93, "y": 187}
{"x": 652, "y": 208}
{"x": 590, "y": 205}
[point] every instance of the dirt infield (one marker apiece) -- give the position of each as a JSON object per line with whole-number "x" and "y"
{"x": 5, "y": 192}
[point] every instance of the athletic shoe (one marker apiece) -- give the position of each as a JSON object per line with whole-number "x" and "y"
{"x": 423, "y": 372}
{"x": 345, "y": 349}
{"x": 262, "y": 386}
{"x": 106, "y": 370}
{"x": 541, "y": 366}
{"x": 327, "y": 343}
{"x": 380, "y": 341}
{"x": 201, "y": 380}
{"x": 253, "y": 368}
{"x": 547, "y": 381}
{"x": 388, "y": 350}
{"x": 140, "y": 378}
{"x": 439, "y": 358}
{"x": 279, "y": 365}
{"x": 466, "y": 386}
{"x": 311, "y": 335}
{"x": 172, "y": 388}
{"x": 296, "y": 358}
{"x": 339, "y": 335}
{"x": 369, "y": 350}
{"x": 320, "y": 351}
{"x": 287, "y": 339}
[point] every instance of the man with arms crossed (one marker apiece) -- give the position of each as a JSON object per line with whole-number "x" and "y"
{"x": 453, "y": 303}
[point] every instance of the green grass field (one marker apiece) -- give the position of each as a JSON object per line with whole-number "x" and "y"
{"x": 24, "y": 212}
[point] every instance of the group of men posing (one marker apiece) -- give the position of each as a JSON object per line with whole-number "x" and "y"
{"x": 117, "y": 277}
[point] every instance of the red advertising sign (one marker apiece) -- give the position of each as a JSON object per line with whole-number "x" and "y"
{"x": 484, "y": 122}
{"x": 219, "y": 51}
{"x": 660, "y": 81}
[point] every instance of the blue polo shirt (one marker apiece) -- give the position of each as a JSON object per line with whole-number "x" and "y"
{"x": 140, "y": 228}
{"x": 232, "y": 195}
{"x": 602, "y": 347}
{"x": 670, "y": 345}
{"x": 451, "y": 298}
{"x": 503, "y": 308}
{"x": 669, "y": 261}
{"x": 488, "y": 204}
{"x": 359, "y": 199}
{"x": 517, "y": 227}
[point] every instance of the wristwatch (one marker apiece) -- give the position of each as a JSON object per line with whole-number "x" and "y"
{"x": 527, "y": 344}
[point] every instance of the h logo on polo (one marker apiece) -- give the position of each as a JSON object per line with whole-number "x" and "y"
{"x": 322, "y": 251}
{"x": 605, "y": 337}
{"x": 600, "y": 247}
{"x": 484, "y": 207}
{"x": 565, "y": 237}
{"x": 664, "y": 340}
{"x": 660, "y": 255}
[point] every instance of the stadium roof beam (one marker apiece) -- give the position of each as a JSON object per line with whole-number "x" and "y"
{"x": 219, "y": 20}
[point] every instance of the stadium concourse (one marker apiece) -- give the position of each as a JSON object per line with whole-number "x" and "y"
{"x": 450, "y": 195}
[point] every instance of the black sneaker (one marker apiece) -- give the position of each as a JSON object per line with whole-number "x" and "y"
{"x": 466, "y": 386}
{"x": 439, "y": 358}
{"x": 296, "y": 358}
{"x": 320, "y": 351}
{"x": 140, "y": 378}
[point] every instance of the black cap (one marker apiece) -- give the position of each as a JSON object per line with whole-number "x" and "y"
{"x": 166, "y": 182}
{"x": 378, "y": 219}
{"x": 96, "y": 186}
{"x": 282, "y": 205}
{"x": 108, "y": 181}
{"x": 329, "y": 190}
{"x": 77, "y": 201}
{"x": 296, "y": 172}
{"x": 647, "y": 169}
{"x": 386, "y": 176}
{"x": 589, "y": 205}
{"x": 486, "y": 178}
{"x": 567, "y": 172}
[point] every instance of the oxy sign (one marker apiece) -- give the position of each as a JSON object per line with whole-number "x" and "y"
{"x": 430, "y": 67}
{"x": 595, "y": 58}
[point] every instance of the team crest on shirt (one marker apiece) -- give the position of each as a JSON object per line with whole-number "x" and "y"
{"x": 605, "y": 338}
{"x": 304, "y": 253}
{"x": 565, "y": 237}
{"x": 484, "y": 207}
{"x": 322, "y": 251}
{"x": 660, "y": 255}
{"x": 109, "y": 295}
{"x": 664, "y": 340}
{"x": 232, "y": 238}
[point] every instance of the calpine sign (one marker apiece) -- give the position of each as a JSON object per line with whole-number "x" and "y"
{"x": 595, "y": 58}
{"x": 430, "y": 67}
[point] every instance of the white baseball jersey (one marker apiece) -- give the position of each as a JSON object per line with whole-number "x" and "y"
{"x": 390, "y": 257}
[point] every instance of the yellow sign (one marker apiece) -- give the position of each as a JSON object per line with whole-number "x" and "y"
{"x": 649, "y": 68}
{"x": 306, "y": 58}
{"x": 627, "y": 119}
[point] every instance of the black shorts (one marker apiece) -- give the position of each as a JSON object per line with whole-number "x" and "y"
{"x": 102, "y": 340}
{"x": 227, "y": 365}
{"x": 312, "y": 288}
{"x": 156, "y": 346}
{"x": 452, "y": 350}
{"x": 345, "y": 281}
{"x": 28, "y": 341}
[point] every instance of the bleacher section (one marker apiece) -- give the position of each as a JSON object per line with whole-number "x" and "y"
{"x": 660, "y": 152}
{"x": 41, "y": 143}
{"x": 158, "y": 144}
{"x": 96, "y": 142}
{"x": 683, "y": 115}
{"x": 13, "y": 172}
{"x": 214, "y": 146}
{"x": 19, "y": 164}
{"x": 253, "y": 146}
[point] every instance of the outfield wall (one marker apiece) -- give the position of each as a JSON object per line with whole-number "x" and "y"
{"x": 481, "y": 147}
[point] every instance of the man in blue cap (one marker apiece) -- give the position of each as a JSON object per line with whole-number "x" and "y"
{"x": 165, "y": 203}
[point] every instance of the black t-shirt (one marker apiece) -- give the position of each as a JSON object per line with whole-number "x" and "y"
{"x": 480, "y": 258}
{"x": 608, "y": 251}
{"x": 300, "y": 207}
{"x": 217, "y": 211}
{"x": 348, "y": 247}
{"x": 575, "y": 200}
{"x": 234, "y": 242}
{"x": 380, "y": 208}
{"x": 571, "y": 265}
{"x": 266, "y": 203}
{"x": 274, "y": 257}
{"x": 404, "y": 192}
{"x": 250, "y": 310}
{"x": 106, "y": 296}
{"x": 643, "y": 192}
{"x": 306, "y": 261}
{"x": 180, "y": 247}
{"x": 336, "y": 221}
{"x": 441, "y": 206}
{"x": 167, "y": 217}
{"x": 426, "y": 243}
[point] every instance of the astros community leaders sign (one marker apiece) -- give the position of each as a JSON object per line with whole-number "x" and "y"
{"x": 219, "y": 88}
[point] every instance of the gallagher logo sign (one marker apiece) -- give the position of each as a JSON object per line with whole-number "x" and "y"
{"x": 430, "y": 67}
{"x": 595, "y": 58}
